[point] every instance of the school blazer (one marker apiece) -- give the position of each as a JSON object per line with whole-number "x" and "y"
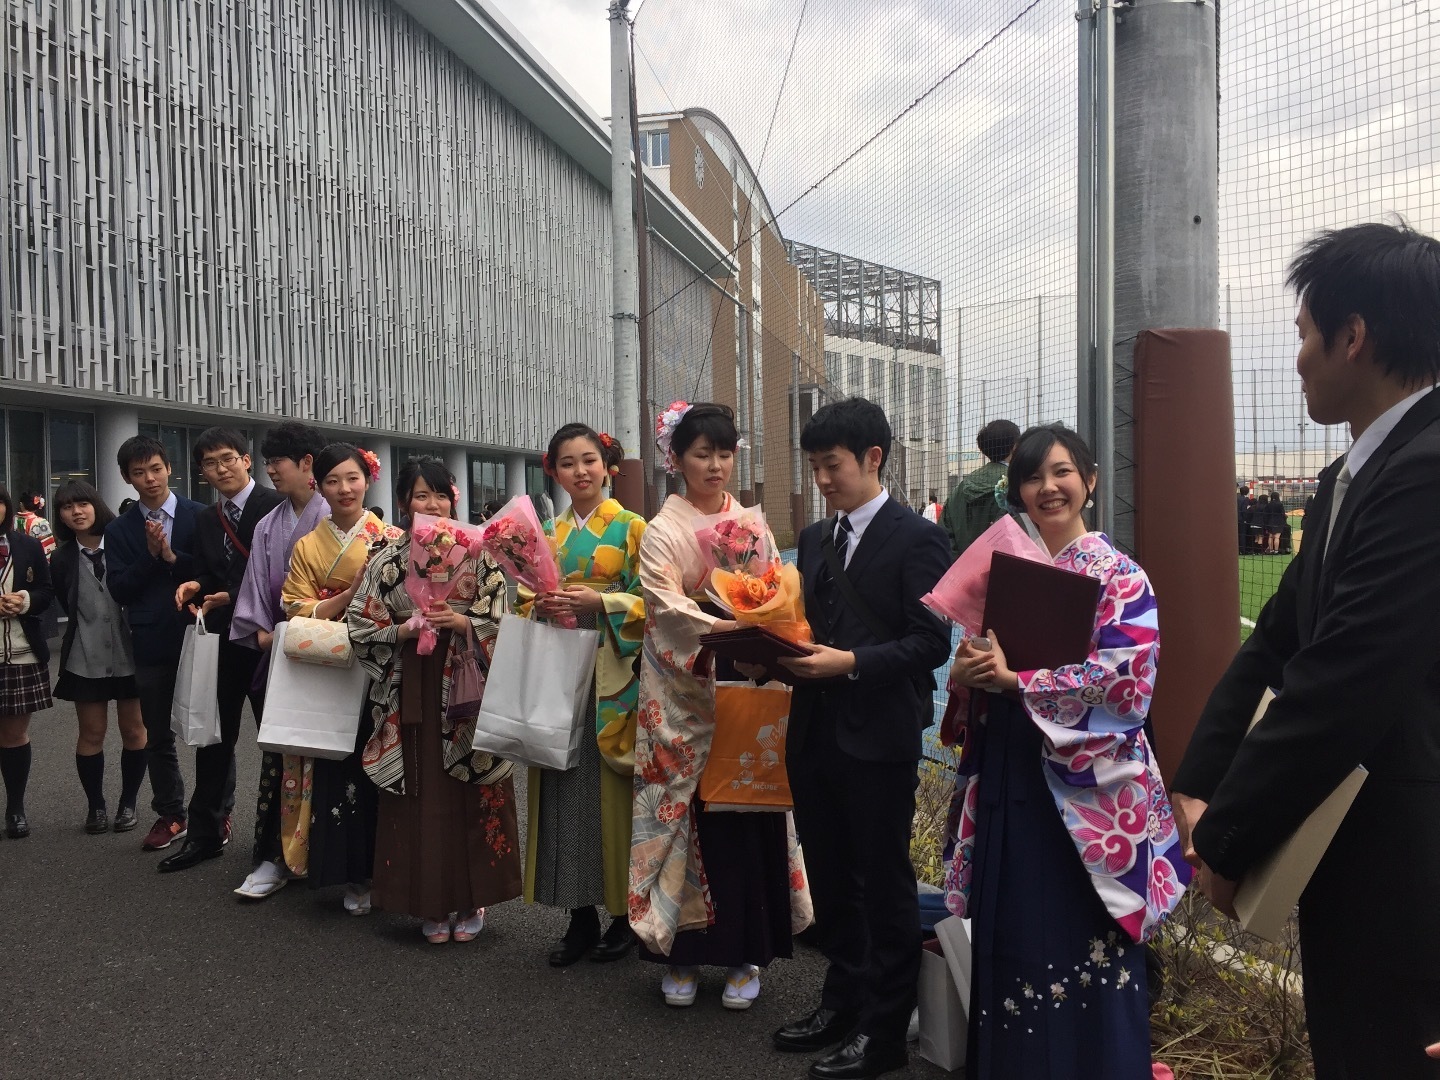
{"x": 1351, "y": 643}
{"x": 880, "y": 714}
{"x": 220, "y": 572}
{"x": 32, "y": 575}
{"x": 145, "y": 585}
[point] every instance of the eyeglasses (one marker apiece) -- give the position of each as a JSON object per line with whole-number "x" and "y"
{"x": 276, "y": 462}
{"x": 216, "y": 464}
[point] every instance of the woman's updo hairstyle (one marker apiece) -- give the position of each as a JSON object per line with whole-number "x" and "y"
{"x": 611, "y": 453}
{"x": 1034, "y": 446}
{"x": 337, "y": 453}
{"x": 714, "y": 422}
{"x": 433, "y": 471}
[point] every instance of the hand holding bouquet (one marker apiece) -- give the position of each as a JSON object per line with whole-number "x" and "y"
{"x": 438, "y": 548}
{"x": 960, "y": 595}
{"x": 517, "y": 541}
{"x": 773, "y": 599}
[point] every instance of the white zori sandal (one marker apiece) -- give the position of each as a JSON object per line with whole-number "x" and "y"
{"x": 265, "y": 880}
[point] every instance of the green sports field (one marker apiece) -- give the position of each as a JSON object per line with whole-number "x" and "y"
{"x": 1259, "y": 578}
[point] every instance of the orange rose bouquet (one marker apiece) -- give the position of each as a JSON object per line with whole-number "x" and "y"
{"x": 772, "y": 598}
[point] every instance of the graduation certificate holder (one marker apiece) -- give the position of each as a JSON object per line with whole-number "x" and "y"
{"x": 1044, "y": 617}
{"x": 755, "y": 645}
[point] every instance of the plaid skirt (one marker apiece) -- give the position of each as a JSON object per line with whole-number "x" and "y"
{"x": 24, "y": 689}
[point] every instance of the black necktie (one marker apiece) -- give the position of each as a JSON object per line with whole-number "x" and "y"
{"x": 97, "y": 562}
{"x": 232, "y": 515}
{"x": 843, "y": 532}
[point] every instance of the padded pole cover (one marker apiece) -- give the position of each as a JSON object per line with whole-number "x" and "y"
{"x": 1185, "y": 525}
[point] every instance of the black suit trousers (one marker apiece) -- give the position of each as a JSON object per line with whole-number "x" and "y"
{"x": 854, "y": 820}
{"x": 214, "y": 795}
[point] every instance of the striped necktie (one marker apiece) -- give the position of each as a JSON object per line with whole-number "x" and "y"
{"x": 232, "y": 515}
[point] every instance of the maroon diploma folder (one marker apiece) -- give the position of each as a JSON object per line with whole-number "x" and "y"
{"x": 754, "y": 645}
{"x": 1043, "y": 616}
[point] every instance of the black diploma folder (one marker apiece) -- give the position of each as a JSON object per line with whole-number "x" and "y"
{"x": 753, "y": 645}
{"x": 1043, "y": 616}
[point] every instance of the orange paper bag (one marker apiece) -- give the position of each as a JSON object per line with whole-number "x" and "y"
{"x": 746, "y": 769}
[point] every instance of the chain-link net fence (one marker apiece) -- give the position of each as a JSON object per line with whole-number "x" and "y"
{"x": 1327, "y": 118}
{"x": 926, "y": 157}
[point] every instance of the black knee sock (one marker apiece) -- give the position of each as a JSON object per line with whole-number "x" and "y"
{"x": 132, "y": 775}
{"x": 91, "y": 768}
{"x": 15, "y": 770}
{"x": 584, "y": 923}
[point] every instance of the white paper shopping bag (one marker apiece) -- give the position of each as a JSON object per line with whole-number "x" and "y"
{"x": 195, "y": 710}
{"x": 538, "y": 701}
{"x": 310, "y": 709}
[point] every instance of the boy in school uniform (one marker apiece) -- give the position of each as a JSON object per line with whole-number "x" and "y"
{"x": 223, "y": 535}
{"x": 148, "y": 549}
{"x": 862, "y": 699}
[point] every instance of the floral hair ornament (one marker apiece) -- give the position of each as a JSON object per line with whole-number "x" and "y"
{"x": 665, "y": 425}
{"x": 372, "y": 463}
{"x": 608, "y": 441}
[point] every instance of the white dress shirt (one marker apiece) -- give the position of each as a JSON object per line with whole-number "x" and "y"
{"x": 859, "y": 520}
{"x": 1370, "y": 439}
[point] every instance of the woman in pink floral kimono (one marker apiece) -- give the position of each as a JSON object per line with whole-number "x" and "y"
{"x": 706, "y": 888}
{"x": 1066, "y": 855}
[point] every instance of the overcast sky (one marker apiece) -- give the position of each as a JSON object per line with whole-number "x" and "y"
{"x": 1328, "y": 117}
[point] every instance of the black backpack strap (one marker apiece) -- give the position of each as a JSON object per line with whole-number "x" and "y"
{"x": 842, "y": 582}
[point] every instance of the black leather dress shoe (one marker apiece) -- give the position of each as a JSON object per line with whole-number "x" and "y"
{"x": 97, "y": 821}
{"x": 192, "y": 853}
{"x": 814, "y": 1031}
{"x": 619, "y": 939}
{"x": 859, "y": 1059}
{"x": 126, "y": 819}
{"x": 17, "y": 827}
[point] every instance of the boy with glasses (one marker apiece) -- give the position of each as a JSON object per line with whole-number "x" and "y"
{"x": 223, "y": 535}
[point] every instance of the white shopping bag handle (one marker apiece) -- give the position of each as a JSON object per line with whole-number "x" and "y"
{"x": 200, "y": 628}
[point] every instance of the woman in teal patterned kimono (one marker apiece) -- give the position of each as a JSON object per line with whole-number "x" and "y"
{"x": 577, "y": 852}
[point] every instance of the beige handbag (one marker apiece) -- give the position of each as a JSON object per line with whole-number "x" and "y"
{"x": 319, "y": 641}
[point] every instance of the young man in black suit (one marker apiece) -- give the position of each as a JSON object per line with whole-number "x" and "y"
{"x": 1350, "y": 643}
{"x": 147, "y": 553}
{"x": 223, "y": 535}
{"x": 854, "y": 747}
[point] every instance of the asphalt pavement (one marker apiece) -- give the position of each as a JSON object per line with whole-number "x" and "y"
{"x": 110, "y": 969}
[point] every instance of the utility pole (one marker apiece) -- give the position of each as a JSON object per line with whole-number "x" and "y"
{"x": 625, "y": 287}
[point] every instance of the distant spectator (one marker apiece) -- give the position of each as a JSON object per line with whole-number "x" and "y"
{"x": 932, "y": 509}
{"x": 973, "y": 507}
{"x": 125, "y": 504}
{"x": 1274, "y": 523}
{"x": 1243, "y": 505}
{"x": 378, "y": 511}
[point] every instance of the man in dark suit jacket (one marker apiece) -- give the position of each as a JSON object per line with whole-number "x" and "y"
{"x": 1350, "y": 644}
{"x": 223, "y": 535}
{"x": 854, "y": 741}
{"x": 147, "y": 551}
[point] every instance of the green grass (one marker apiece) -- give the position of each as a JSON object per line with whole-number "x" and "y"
{"x": 1259, "y": 578}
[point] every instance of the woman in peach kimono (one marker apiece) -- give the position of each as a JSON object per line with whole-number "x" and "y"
{"x": 706, "y": 888}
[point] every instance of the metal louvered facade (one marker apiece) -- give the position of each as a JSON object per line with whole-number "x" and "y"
{"x": 292, "y": 210}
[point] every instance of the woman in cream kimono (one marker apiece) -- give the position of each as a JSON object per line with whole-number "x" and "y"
{"x": 577, "y": 852}
{"x": 327, "y": 808}
{"x": 723, "y": 889}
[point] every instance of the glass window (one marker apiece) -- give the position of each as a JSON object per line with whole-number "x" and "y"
{"x": 916, "y": 425}
{"x": 877, "y": 381}
{"x": 26, "y": 435}
{"x": 72, "y": 448}
{"x": 4, "y": 472}
{"x": 935, "y": 403}
{"x": 855, "y": 375}
{"x": 832, "y": 371}
{"x": 655, "y": 148}
{"x": 895, "y": 407}
{"x": 487, "y": 484}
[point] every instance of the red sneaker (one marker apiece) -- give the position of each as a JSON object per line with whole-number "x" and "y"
{"x": 225, "y": 830}
{"x": 166, "y": 830}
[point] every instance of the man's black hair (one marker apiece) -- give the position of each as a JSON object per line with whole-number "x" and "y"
{"x": 218, "y": 438}
{"x": 855, "y": 424}
{"x": 1389, "y": 275}
{"x": 292, "y": 440}
{"x": 137, "y": 450}
{"x": 997, "y": 439}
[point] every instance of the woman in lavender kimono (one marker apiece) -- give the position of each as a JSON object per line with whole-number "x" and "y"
{"x": 1066, "y": 855}
{"x": 289, "y": 451}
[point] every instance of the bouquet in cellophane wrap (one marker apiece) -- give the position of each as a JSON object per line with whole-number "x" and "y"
{"x": 438, "y": 549}
{"x": 521, "y": 544}
{"x": 747, "y": 577}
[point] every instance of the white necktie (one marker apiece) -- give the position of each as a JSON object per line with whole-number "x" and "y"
{"x": 1342, "y": 484}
